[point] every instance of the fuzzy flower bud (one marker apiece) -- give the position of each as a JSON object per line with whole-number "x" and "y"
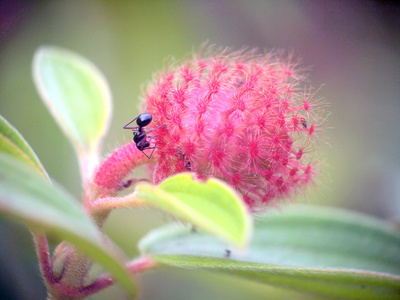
{"x": 239, "y": 117}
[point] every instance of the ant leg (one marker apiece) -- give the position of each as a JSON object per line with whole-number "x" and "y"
{"x": 147, "y": 132}
{"x": 150, "y": 153}
{"x": 151, "y": 137}
{"x": 134, "y": 127}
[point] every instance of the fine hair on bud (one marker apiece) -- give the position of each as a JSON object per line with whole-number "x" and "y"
{"x": 248, "y": 119}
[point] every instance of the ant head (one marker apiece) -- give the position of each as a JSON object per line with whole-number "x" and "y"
{"x": 144, "y": 119}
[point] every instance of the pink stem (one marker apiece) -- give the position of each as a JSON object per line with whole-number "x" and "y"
{"x": 140, "y": 264}
{"x": 99, "y": 284}
{"x": 43, "y": 253}
{"x": 109, "y": 176}
{"x": 105, "y": 205}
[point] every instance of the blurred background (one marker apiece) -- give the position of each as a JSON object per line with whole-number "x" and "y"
{"x": 353, "y": 48}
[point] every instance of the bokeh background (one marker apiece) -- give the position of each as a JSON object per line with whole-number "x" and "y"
{"x": 353, "y": 48}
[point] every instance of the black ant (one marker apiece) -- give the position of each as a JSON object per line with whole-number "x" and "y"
{"x": 303, "y": 122}
{"x": 140, "y": 136}
{"x": 188, "y": 165}
{"x": 227, "y": 253}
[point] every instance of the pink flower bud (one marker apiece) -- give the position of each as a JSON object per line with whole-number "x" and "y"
{"x": 242, "y": 118}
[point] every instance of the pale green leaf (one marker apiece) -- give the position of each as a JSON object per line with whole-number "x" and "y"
{"x": 27, "y": 197}
{"x": 12, "y": 142}
{"x": 77, "y": 95}
{"x": 324, "y": 251}
{"x": 211, "y": 205}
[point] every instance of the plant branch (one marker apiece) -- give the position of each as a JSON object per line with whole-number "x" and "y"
{"x": 140, "y": 264}
{"x": 108, "y": 179}
{"x": 101, "y": 207}
{"x": 43, "y": 253}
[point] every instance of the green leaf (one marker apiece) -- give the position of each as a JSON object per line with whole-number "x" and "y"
{"x": 12, "y": 142}
{"x": 27, "y": 197}
{"x": 77, "y": 95}
{"x": 324, "y": 251}
{"x": 212, "y": 206}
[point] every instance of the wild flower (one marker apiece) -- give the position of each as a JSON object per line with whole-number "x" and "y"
{"x": 244, "y": 118}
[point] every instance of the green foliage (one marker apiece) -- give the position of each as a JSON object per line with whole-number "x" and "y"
{"x": 324, "y": 251}
{"x": 27, "y": 197}
{"x": 12, "y": 142}
{"x": 78, "y": 96}
{"x": 212, "y": 206}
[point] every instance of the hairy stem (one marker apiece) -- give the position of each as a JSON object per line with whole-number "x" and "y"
{"x": 100, "y": 208}
{"x": 108, "y": 179}
{"x": 43, "y": 253}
